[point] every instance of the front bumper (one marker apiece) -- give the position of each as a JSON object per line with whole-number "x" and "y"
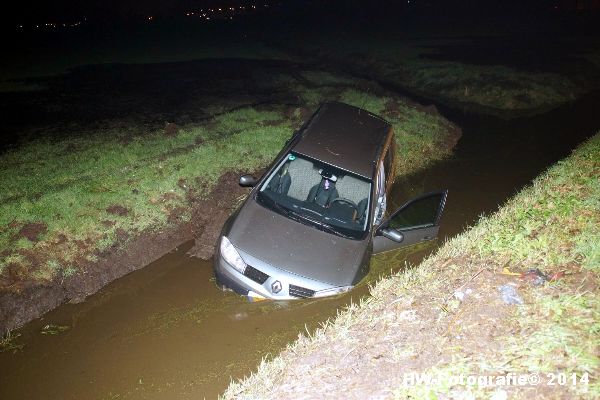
{"x": 266, "y": 281}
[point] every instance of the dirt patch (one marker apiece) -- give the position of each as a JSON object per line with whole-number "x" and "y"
{"x": 210, "y": 214}
{"x": 33, "y": 230}
{"x": 175, "y": 215}
{"x": 171, "y": 129}
{"x": 117, "y": 209}
{"x": 14, "y": 273}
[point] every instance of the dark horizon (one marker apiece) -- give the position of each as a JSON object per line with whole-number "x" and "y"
{"x": 114, "y": 10}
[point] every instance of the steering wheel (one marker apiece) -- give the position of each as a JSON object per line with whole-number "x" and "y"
{"x": 343, "y": 200}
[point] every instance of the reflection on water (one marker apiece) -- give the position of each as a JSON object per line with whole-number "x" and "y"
{"x": 167, "y": 332}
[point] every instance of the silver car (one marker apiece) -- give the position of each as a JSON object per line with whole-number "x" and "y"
{"x": 310, "y": 224}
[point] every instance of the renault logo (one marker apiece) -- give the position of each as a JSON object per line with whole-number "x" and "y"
{"x": 276, "y": 287}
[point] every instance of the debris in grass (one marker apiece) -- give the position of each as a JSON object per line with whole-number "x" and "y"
{"x": 557, "y": 276}
{"x": 461, "y": 295}
{"x": 535, "y": 277}
{"x": 52, "y": 329}
{"x": 510, "y": 295}
{"x": 506, "y": 271}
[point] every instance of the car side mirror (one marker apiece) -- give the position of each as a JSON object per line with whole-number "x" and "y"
{"x": 247, "y": 181}
{"x": 392, "y": 234}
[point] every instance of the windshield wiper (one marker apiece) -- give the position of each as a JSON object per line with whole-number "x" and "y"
{"x": 262, "y": 197}
{"x": 322, "y": 225}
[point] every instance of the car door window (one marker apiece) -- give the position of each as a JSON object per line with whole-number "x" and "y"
{"x": 416, "y": 222}
{"x": 421, "y": 212}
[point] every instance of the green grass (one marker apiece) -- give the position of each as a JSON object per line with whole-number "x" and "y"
{"x": 71, "y": 191}
{"x": 89, "y": 189}
{"x": 412, "y": 321}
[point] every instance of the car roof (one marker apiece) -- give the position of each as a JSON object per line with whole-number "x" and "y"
{"x": 346, "y": 137}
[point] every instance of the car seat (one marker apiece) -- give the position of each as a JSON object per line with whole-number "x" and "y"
{"x": 280, "y": 183}
{"x": 323, "y": 192}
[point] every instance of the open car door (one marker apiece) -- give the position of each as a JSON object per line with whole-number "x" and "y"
{"x": 415, "y": 222}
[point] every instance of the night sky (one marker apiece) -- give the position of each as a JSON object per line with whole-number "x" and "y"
{"x": 40, "y": 11}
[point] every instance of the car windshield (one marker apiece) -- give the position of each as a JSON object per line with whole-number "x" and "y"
{"x": 318, "y": 195}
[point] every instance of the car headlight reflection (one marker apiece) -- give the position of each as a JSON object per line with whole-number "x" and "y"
{"x": 230, "y": 254}
{"x": 332, "y": 291}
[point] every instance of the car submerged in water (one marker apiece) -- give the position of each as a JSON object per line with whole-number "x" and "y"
{"x": 310, "y": 224}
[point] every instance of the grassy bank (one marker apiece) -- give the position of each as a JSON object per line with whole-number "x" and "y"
{"x": 447, "y": 317}
{"x": 465, "y": 72}
{"x": 67, "y": 199}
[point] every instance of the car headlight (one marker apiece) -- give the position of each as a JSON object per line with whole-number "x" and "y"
{"x": 332, "y": 291}
{"x": 230, "y": 254}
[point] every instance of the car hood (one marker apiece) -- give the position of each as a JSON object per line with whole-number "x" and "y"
{"x": 294, "y": 247}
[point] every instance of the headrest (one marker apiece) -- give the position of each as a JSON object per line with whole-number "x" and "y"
{"x": 328, "y": 175}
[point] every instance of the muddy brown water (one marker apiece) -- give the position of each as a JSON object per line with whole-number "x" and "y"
{"x": 167, "y": 332}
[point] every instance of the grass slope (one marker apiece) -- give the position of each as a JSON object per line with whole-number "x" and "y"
{"x": 446, "y": 317}
{"x": 69, "y": 199}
